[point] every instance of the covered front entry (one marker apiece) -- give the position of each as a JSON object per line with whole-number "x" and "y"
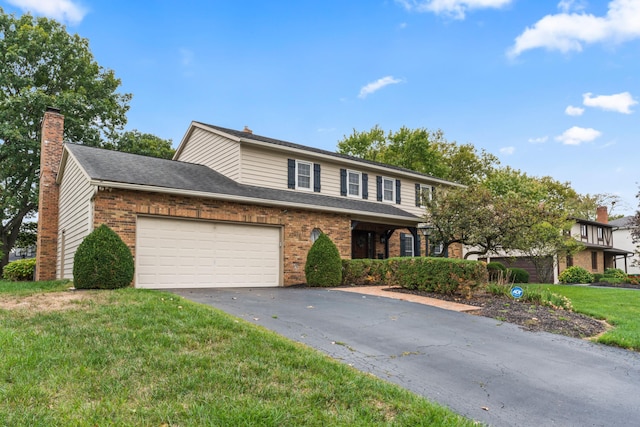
{"x": 380, "y": 241}
{"x": 174, "y": 253}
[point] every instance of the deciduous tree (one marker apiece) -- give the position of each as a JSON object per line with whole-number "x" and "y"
{"x": 42, "y": 65}
{"x": 423, "y": 151}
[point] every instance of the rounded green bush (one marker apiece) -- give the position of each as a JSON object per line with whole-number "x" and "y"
{"x": 517, "y": 275}
{"x": 102, "y": 261}
{"x": 575, "y": 274}
{"x": 324, "y": 265}
{"x": 615, "y": 273}
{"x": 496, "y": 271}
{"x": 19, "y": 270}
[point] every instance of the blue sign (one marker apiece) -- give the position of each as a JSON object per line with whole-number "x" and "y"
{"x": 517, "y": 292}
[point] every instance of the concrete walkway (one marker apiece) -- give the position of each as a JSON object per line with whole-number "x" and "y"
{"x": 379, "y": 291}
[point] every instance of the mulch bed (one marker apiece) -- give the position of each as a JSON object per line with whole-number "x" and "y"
{"x": 530, "y": 317}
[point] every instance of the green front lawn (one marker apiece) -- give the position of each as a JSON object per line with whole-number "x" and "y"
{"x": 619, "y": 307}
{"x": 136, "y": 357}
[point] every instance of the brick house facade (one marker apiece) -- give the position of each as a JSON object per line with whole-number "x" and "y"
{"x": 213, "y": 180}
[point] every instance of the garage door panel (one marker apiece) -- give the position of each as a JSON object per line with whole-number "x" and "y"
{"x": 183, "y": 253}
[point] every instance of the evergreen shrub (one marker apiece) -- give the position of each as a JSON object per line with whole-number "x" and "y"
{"x": 575, "y": 274}
{"x": 324, "y": 265}
{"x": 615, "y": 273}
{"x": 517, "y": 275}
{"x": 363, "y": 272}
{"x": 20, "y": 270}
{"x": 102, "y": 261}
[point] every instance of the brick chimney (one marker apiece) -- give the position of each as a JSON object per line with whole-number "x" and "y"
{"x": 602, "y": 215}
{"x": 50, "y": 156}
{"x": 247, "y": 130}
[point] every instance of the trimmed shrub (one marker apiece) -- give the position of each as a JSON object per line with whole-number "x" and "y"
{"x": 363, "y": 272}
{"x": 597, "y": 277}
{"x": 440, "y": 275}
{"x": 20, "y": 270}
{"x": 324, "y": 265}
{"x": 102, "y": 261}
{"x": 615, "y": 273}
{"x": 517, "y": 275}
{"x": 575, "y": 274}
{"x": 496, "y": 271}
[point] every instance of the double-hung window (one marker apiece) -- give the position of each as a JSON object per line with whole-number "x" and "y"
{"x": 304, "y": 175}
{"x": 425, "y": 195}
{"x": 583, "y": 231}
{"x": 600, "y": 233}
{"x": 354, "y": 184}
{"x": 388, "y": 190}
{"x": 406, "y": 245}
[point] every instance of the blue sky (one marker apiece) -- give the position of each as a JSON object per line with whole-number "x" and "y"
{"x": 550, "y": 87}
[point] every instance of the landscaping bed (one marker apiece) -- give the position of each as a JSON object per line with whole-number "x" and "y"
{"x": 530, "y": 317}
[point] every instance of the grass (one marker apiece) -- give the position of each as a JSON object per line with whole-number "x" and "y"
{"x": 619, "y": 307}
{"x": 138, "y": 357}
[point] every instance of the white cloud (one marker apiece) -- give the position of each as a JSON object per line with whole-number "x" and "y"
{"x": 577, "y": 135}
{"x": 540, "y": 140}
{"x": 570, "y": 31}
{"x": 454, "y": 8}
{"x": 573, "y": 111}
{"x": 507, "y": 150}
{"x": 567, "y": 6}
{"x": 61, "y": 10}
{"x": 377, "y": 85}
{"x": 620, "y": 102}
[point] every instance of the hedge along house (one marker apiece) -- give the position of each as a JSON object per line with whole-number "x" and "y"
{"x": 231, "y": 209}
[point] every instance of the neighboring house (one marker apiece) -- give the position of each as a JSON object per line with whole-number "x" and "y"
{"x": 598, "y": 253}
{"x": 231, "y": 209}
{"x": 622, "y": 235}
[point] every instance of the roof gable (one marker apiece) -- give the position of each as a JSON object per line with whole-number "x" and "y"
{"x": 243, "y": 136}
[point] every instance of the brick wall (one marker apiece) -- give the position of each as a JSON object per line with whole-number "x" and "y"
{"x": 120, "y": 208}
{"x": 48, "y": 195}
{"x": 583, "y": 259}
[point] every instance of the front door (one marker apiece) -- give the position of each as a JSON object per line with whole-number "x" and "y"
{"x": 362, "y": 244}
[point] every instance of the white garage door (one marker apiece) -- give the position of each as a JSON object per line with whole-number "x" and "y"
{"x": 173, "y": 253}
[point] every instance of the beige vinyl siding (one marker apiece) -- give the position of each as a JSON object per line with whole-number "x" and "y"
{"x": 264, "y": 168}
{"x": 75, "y": 216}
{"x": 219, "y": 153}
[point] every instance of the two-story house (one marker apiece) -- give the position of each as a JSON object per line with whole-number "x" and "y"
{"x": 622, "y": 229}
{"x": 231, "y": 209}
{"x": 597, "y": 255}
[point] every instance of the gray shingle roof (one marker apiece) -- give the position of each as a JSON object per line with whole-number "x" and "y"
{"x": 252, "y": 136}
{"x": 626, "y": 221}
{"x": 118, "y": 167}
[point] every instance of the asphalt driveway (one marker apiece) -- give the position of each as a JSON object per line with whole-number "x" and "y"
{"x": 479, "y": 367}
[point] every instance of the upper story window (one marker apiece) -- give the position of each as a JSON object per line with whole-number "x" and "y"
{"x": 354, "y": 187}
{"x": 388, "y": 190}
{"x": 424, "y": 194}
{"x": 600, "y": 233}
{"x": 304, "y": 176}
{"x": 583, "y": 231}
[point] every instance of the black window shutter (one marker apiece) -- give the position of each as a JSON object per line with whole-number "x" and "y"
{"x": 343, "y": 182}
{"x": 418, "y": 195}
{"x": 398, "y": 200}
{"x": 433, "y": 193}
{"x": 402, "y": 243}
{"x": 417, "y": 245}
{"x": 365, "y": 186}
{"x": 316, "y": 177}
{"x": 379, "y": 188}
{"x": 291, "y": 169}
